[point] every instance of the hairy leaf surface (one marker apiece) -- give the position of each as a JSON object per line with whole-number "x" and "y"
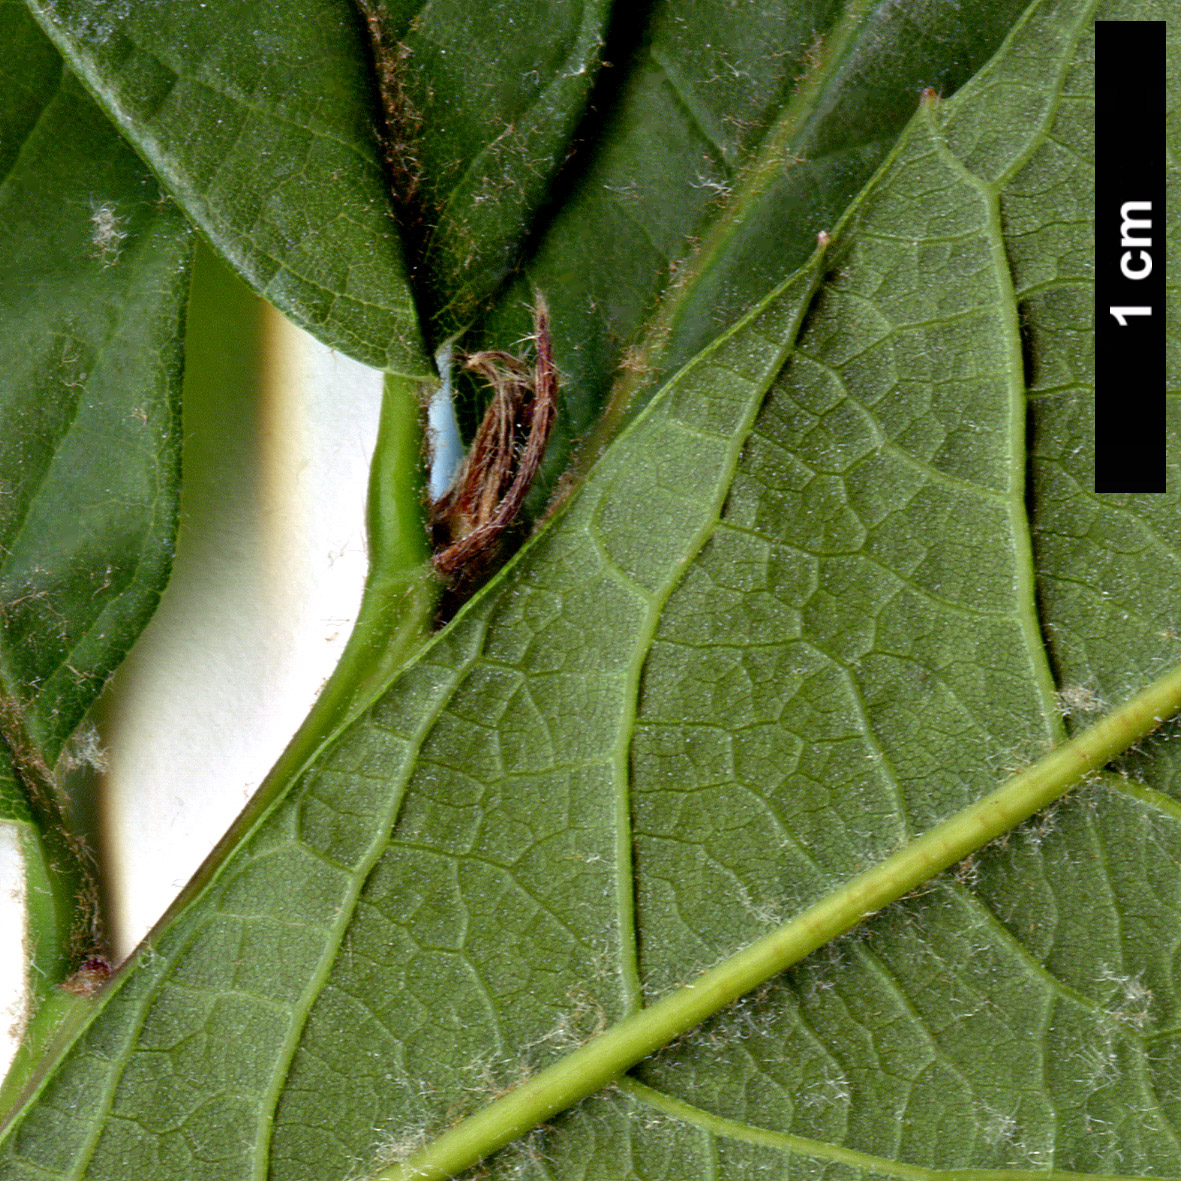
{"x": 723, "y": 138}
{"x": 482, "y": 102}
{"x": 260, "y": 120}
{"x": 807, "y": 605}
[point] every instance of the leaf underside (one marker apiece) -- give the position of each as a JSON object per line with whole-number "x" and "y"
{"x": 813, "y": 600}
{"x": 586, "y": 155}
{"x": 260, "y": 121}
{"x": 720, "y": 141}
{"x": 810, "y": 602}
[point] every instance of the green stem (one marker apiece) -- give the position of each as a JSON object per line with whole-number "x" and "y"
{"x": 604, "y": 1058}
{"x": 50, "y": 904}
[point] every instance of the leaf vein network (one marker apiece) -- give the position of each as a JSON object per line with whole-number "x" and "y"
{"x": 337, "y": 931}
{"x": 885, "y": 443}
{"x": 720, "y": 1126}
{"x": 251, "y": 106}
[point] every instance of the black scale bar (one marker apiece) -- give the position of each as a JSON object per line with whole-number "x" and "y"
{"x": 1130, "y": 256}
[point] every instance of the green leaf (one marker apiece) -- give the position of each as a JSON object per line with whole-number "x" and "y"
{"x": 93, "y": 280}
{"x": 260, "y": 122}
{"x": 747, "y": 129}
{"x": 793, "y": 618}
{"x": 482, "y": 104}
{"x": 726, "y": 138}
{"x": 603, "y": 1059}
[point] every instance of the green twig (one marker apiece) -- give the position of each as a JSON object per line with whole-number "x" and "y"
{"x": 604, "y": 1058}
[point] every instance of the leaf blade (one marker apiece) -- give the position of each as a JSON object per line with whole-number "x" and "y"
{"x": 313, "y": 882}
{"x": 478, "y": 124}
{"x": 724, "y": 148}
{"x": 471, "y": 929}
{"x": 601, "y": 1061}
{"x": 261, "y": 126}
